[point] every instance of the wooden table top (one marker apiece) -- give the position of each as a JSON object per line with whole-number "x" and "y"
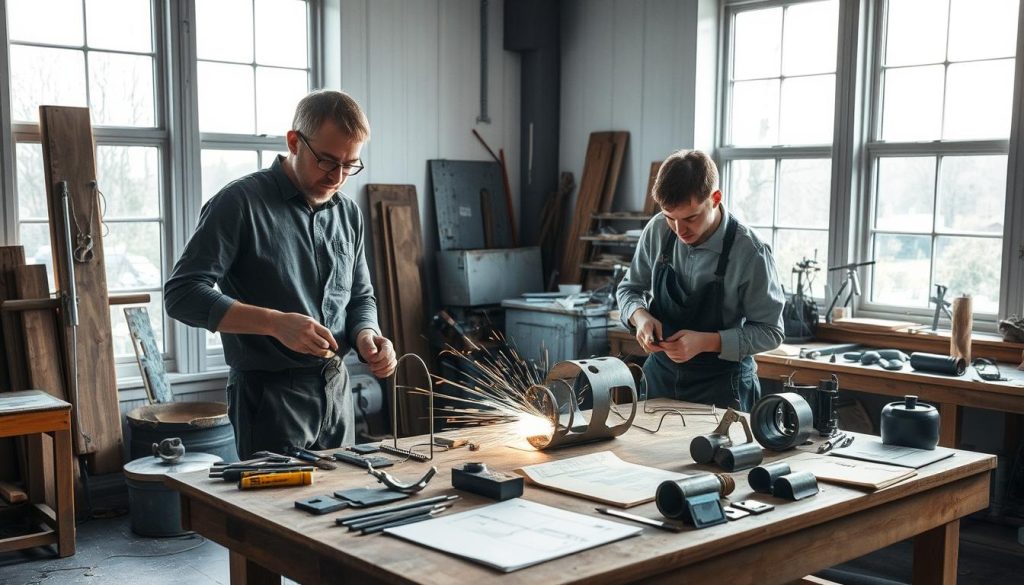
{"x": 1012, "y": 387}
{"x": 298, "y": 539}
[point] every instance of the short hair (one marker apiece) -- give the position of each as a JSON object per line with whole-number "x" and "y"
{"x": 684, "y": 176}
{"x": 337, "y": 106}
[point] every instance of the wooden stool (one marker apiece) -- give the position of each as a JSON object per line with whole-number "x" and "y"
{"x": 35, "y": 412}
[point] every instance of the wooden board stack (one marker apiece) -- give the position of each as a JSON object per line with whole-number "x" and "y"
{"x": 599, "y": 181}
{"x": 399, "y": 272}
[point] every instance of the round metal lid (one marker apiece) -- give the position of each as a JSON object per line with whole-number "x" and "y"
{"x": 155, "y": 468}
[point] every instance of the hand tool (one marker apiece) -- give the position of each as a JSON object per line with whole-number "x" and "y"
{"x": 419, "y": 518}
{"x": 395, "y": 516}
{"x": 316, "y": 459}
{"x": 425, "y": 503}
{"x": 288, "y": 479}
{"x": 642, "y": 520}
{"x": 832, "y": 442}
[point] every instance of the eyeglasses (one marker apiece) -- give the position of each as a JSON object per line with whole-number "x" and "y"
{"x": 987, "y": 370}
{"x": 327, "y": 165}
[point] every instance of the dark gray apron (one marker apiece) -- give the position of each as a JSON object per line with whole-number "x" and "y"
{"x": 705, "y": 379}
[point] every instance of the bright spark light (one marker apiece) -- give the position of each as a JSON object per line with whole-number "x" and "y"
{"x": 492, "y": 402}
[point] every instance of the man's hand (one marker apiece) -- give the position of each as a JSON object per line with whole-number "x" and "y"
{"x": 685, "y": 344}
{"x": 648, "y": 330}
{"x": 377, "y": 351}
{"x": 303, "y": 334}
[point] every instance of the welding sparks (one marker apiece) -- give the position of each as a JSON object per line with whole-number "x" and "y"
{"x": 493, "y": 399}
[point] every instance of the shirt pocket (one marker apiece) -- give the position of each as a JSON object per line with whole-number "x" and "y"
{"x": 344, "y": 264}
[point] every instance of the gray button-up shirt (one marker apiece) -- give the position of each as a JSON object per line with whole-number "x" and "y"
{"x": 752, "y": 307}
{"x": 262, "y": 244}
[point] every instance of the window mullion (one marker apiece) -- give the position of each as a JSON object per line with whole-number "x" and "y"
{"x": 1011, "y": 294}
{"x": 185, "y": 185}
{"x": 8, "y": 210}
{"x": 844, "y": 222}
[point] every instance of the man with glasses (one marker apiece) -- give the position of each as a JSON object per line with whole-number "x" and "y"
{"x": 285, "y": 249}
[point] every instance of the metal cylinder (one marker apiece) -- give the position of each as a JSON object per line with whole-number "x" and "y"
{"x": 795, "y": 486}
{"x": 704, "y": 447}
{"x": 938, "y": 364}
{"x": 826, "y": 419}
{"x": 739, "y": 457}
{"x": 672, "y": 494}
{"x": 762, "y": 478}
{"x": 781, "y": 421}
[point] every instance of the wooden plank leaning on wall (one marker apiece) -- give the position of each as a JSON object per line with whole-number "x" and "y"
{"x": 69, "y": 154}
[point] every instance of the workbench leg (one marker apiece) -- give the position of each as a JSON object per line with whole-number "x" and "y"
{"x": 64, "y": 492}
{"x": 246, "y": 572}
{"x": 935, "y": 555}
{"x": 949, "y": 425}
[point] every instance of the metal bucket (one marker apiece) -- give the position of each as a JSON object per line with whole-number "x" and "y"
{"x": 156, "y": 508}
{"x": 203, "y": 427}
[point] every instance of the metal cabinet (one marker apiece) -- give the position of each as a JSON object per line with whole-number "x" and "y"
{"x": 565, "y": 334}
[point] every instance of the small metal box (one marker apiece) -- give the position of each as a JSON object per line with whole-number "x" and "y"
{"x": 469, "y": 278}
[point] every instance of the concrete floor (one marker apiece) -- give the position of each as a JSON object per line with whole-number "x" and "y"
{"x": 109, "y": 552}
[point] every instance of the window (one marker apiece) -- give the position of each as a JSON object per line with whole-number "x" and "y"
{"x": 100, "y": 54}
{"x": 777, "y": 139}
{"x": 251, "y": 62}
{"x": 938, "y": 153}
{"x": 878, "y": 130}
{"x": 253, "y": 67}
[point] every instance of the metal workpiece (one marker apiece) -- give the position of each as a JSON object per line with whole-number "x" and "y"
{"x": 396, "y": 485}
{"x": 782, "y": 421}
{"x": 559, "y": 398}
{"x": 763, "y": 477}
{"x": 938, "y": 364}
{"x": 695, "y": 499}
{"x": 910, "y": 424}
{"x": 795, "y": 486}
{"x": 718, "y": 446}
{"x": 394, "y": 449}
{"x": 739, "y": 457}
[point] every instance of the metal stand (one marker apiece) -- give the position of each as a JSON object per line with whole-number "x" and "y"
{"x": 852, "y": 280}
{"x": 394, "y": 449}
{"x": 941, "y": 305}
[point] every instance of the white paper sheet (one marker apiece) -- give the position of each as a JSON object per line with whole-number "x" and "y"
{"x": 601, "y": 477}
{"x": 514, "y": 534}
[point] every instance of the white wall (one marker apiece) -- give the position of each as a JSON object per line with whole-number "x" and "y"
{"x": 415, "y": 68}
{"x": 633, "y": 65}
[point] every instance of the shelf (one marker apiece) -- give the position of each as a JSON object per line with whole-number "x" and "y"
{"x": 622, "y": 215}
{"x": 612, "y": 240}
{"x": 597, "y": 266}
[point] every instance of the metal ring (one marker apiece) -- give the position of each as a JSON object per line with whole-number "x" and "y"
{"x": 782, "y": 421}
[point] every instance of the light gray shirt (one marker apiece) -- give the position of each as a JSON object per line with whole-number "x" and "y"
{"x": 752, "y": 307}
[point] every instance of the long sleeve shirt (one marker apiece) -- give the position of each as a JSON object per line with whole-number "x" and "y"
{"x": 752, "y": 307}
{"x": 261, "y": 244}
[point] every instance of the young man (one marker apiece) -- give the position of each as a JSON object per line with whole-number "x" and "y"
{"x": 702, "y": 291}
{"x": 286, "y": 250}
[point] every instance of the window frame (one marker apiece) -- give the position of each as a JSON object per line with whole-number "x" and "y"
{"x": 726, "y": 153}
{"x": 179, "y": 144}
{"x": 855, "y": 151}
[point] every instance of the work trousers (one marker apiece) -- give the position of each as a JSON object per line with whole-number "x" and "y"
{"x": 309, "y": 408}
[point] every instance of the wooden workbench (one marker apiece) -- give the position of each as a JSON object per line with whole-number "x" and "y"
{"x": 949, "y": 393}
{"x": 267, "y": 537}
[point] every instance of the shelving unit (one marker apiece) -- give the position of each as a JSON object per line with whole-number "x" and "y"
{"x": 595, "y": 270}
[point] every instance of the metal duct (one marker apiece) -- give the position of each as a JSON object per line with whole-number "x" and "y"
{"x": 532, "y": 29}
